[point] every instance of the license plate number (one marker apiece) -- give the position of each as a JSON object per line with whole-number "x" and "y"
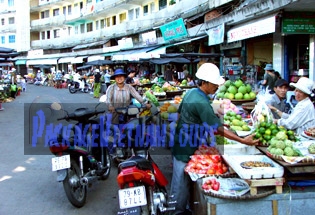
{"x": 132, "y": 197}
{"x": 62, "y": 162}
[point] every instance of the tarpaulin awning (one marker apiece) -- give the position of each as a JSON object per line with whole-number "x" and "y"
{"x": 49, "y": 61}
{"x": 89, "y": 45}
{"x": 84, "y": 67}
{"x": 20, "y": 62}
{"x": 136, "y": 54}
{"x": 66, "y": 59}
{"x": 6, "y": 50}
{"x": 78, "y": 59}
{"x": 95, "y": 57}
{"x": 100, "y": 62}
{"x": 6, "y": 64}
{"x": 171, "y": 60}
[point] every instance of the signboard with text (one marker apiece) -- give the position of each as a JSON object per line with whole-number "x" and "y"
{"x": 216, "y": 35}
{"x": 253, "y": 29}
{"x": 298, "y": 23}
{"x": 174, "y": 30}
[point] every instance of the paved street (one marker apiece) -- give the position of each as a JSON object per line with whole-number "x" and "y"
{"x": 27, "y": 184}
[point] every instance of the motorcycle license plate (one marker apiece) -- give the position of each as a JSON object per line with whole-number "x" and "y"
{"x": 132, "y": 197}
{"x": 62, "y": 162}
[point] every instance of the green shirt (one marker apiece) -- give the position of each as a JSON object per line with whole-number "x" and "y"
{"x": 195, "y": 111}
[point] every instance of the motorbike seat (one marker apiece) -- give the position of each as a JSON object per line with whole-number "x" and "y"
{"x": 138, "y": 161}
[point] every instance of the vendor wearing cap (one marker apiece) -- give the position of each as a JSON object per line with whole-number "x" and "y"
{"x": 269, "y": 78}
{"x": 195, "y": 111}
{"x": 303, "y": 114}
{"x": 120, "y": 94}
{"x": 130, "y": 78}
{"x": 277, "y": 102}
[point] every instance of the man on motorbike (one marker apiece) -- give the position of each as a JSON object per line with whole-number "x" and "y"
{"x": 119, "y": 95}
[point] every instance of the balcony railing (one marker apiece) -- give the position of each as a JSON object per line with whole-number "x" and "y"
{"x": 48, "y": 22}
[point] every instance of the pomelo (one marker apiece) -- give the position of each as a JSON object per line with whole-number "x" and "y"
{"x": 232, "y": 90}
{"x": 242, "y": 89}
{"x": 252, "y": 95}
{"x": 246, "y": 96}
{"x": 248, "y": 88}
{"x": 238, "y": 95}
{"x": 238, "y": 83}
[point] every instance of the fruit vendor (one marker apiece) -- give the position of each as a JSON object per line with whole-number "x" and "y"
{"x": 277, "y": 102}
{"x": 196, "y": 110}
{"x": 269, "y": 78}
{"x": 303, "y": 115}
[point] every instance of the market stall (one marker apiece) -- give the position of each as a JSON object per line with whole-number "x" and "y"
{"x": 275, "y": 177}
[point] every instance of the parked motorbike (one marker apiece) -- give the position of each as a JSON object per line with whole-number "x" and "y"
{"x": 127, "y": 116}
{"x": 78, "y": 166}
{"x": 142, "y": 184}
{"x": 75, "y": 86}
{"x": 41, "y": 81}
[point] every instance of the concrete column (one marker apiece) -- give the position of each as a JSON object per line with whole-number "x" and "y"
{"x": 312, "y": 57}
{"x": 278, "y": 50}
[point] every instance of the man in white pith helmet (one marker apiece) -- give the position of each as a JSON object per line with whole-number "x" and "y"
{"x": 196, "y": 112}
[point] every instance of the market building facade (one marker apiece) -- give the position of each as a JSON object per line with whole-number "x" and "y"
{"x": 66, "y": 34}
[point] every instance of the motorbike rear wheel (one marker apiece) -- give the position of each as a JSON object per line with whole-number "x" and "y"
{"x": 107, "y": 164}
{"x": 86, "y": 89}
{"x": 76, "y": 193}
{"x": 72, "y": 89}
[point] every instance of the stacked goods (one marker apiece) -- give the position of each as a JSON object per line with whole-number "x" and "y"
{"x": 177, "y": 99}
{"x": 211, "y": 184}
{"x": 152, "y": 98}
{"x": 311, "y": 148}
{"x": 157, "y": 90}
{"x": 281, "y": 145}
{"x": 166, "y": 109}
{"x": 235, "y": 121}
{"x": 225, "y": 106}
{"x": 145, "y": 81}
{"x": 183, "y": 83}
{"x": 206, "y": 160}
{"x": 236, "y": 90}
{"x": 265, "y": 131}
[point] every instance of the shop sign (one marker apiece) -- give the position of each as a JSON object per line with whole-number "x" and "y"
{"x": 125, "y": 43}
{"x": 35, "y": 53}
{"x": 254, "y": 29}
{"x": 216, "y": 35}
{"x": 149, "y": 38}
{"x": 233, "y": 45}
{"x": 298, "y": 23}
{"x": 174, "y": 30}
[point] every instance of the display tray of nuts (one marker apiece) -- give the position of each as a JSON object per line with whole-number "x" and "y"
{"x": 255, "y": 164}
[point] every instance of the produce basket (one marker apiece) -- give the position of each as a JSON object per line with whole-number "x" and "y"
{"x": 249, "y": 106}
{"x": 171, "y": 94}
{"x": 241, "y": 101}
{"x": 188, "y": 87}
{"x": 291, "y": 160}
{"x": 149, "y": 85}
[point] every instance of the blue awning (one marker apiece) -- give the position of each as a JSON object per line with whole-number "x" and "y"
{"x": 20, "y": 62}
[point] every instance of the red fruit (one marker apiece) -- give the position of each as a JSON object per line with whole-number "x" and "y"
{"x": 216, "y": 158}
{"x": 216, "y": 186}
{"x": 210, "y": 171}
{"x": 224, "y": 169}
{"x": 213, "y": 180}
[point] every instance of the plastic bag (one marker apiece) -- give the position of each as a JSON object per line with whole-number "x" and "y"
{"x": 261, "y": 112}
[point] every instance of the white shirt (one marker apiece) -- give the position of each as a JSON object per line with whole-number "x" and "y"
{"x": 301, "y": 118}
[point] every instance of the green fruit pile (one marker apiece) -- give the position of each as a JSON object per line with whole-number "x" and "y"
{"x": 281, "y": 145}
{"x": 265, "y": 131}
{"x": 236, "y": 90}
{"x": 235, "y": 121}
